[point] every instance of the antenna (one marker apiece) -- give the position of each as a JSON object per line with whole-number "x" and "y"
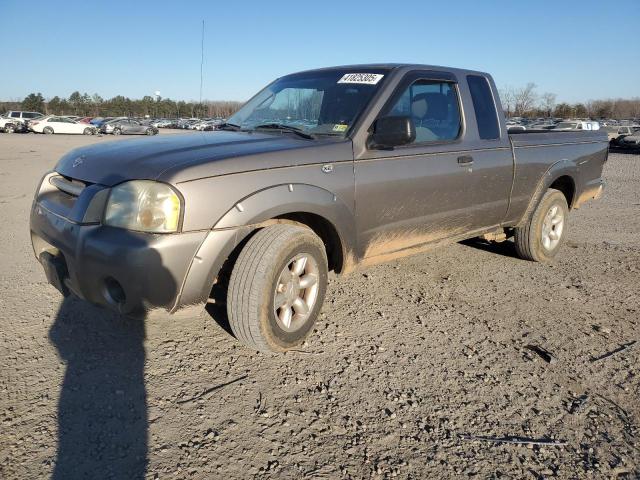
{"x": 201, "y": 60}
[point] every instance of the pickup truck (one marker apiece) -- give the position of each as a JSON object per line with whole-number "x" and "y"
{"x": 323, "y": 170}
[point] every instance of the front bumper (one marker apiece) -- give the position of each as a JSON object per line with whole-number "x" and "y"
{"x": 129, "y": 272}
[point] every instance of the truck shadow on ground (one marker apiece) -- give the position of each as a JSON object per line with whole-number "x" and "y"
{"x": 102, "y": 412}
{"x": 506, "y": 248}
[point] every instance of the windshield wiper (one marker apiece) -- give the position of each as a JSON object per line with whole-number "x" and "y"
{"x": 229, "y": 126}
{"x": 284, "y": 128}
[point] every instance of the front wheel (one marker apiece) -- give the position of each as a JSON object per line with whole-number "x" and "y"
{"x": 10, "y": 128}
{"x": 117, "y": 131}
{"x": 277, "y": 287}
{"x": 544, "y": 233}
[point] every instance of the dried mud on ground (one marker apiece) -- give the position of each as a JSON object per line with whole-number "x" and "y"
{"x": 411, "y": 362}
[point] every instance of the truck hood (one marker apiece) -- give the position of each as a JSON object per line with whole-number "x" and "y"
{"x": 175, "y": 158}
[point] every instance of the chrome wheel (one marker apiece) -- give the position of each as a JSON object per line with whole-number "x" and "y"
{"x": 552, "y": 227}
{"x": 296, "y": 292}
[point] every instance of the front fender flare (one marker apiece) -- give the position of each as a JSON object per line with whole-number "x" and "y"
{"x": 253, "y": 212}
{"x": 289, "y": 198}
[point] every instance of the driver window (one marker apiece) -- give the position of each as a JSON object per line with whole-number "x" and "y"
{"x": 433, "y": 106}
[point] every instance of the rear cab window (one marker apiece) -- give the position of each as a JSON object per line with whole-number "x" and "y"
{"x": 484, "y": 107}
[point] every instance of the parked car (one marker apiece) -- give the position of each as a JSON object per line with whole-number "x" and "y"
{"x": 99, "y": 121}
{"x": 127, "y": 126}
{"x": 23, "y": 116}
{"x": 577, "y": 125}
{"x": 164, "y": 123}
{"x": 541, "y": 126}
{"x": 206, "y": 125}
{"x": 54, "y": 124}
{"x": 616, "y": 133}
{"x": 11, "y": 125}
{"x": 394, "y": 159}
{"x": 630, "y": 141}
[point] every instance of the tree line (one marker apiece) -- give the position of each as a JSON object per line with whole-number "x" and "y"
{"x": 516, "y": 101}
{"x": 94, "y": 105}
{"x": 527, "y": 102}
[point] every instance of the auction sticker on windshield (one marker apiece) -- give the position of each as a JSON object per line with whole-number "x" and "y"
{"x": 362, "y": 78}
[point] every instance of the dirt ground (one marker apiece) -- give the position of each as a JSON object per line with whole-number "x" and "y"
{"x": 410, "y": 362}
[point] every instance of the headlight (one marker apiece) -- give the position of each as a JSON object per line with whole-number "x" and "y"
{"x": 145, "y": 206}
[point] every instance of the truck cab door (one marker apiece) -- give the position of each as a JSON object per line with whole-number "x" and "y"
{"x": 444, "y": 184}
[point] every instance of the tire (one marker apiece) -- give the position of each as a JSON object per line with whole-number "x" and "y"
{"x": 10, "y": 128}
{"x": 117, "y": 131}
{"x": 540, "y": 239}
{"x": 87, "y": 131}
{"x": 47, "y": 130}
{"x": 257, "y": 281}
{"x": 150, "y": 131}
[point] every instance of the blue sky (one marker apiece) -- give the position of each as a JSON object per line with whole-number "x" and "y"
{"x": 578, "y": 49}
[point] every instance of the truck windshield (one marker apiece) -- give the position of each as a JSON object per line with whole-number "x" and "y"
{"x": 324, "y": 102}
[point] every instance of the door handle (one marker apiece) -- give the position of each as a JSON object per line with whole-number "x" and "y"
{"x": 465, "y": 160}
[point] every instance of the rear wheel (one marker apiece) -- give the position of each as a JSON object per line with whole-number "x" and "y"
{"x": 544, "y": 233}
{"x": 117, "y": 131}
{"x": 150, "y": 131}
{"x": 277, "y": 287}
{"x": 10, "y": 128}
{"x": 87, "y": 131}
{"x": 47, "y": 130}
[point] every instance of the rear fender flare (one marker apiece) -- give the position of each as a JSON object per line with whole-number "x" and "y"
{"x": 561, "y": 168}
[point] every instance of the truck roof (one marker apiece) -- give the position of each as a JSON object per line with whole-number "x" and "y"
{"x": 398, "y": 66}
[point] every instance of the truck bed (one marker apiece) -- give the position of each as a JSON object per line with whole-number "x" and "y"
{"x": 580, "y": 154}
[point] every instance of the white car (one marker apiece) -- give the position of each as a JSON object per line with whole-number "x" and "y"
{"x": 11, "y": 125}
{"x": 55, "y": 124}
{"x": 577, "y": 125}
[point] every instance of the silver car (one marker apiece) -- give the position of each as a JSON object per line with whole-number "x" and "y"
{"x": 127, "y": 126}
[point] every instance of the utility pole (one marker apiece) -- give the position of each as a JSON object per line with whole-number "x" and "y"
{"x": 201, "y": 61}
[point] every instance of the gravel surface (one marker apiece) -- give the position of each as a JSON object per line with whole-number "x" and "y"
{"x": 416, "y": 367}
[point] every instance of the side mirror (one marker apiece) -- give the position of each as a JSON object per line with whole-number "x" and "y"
{"x": 389, "y": 132}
